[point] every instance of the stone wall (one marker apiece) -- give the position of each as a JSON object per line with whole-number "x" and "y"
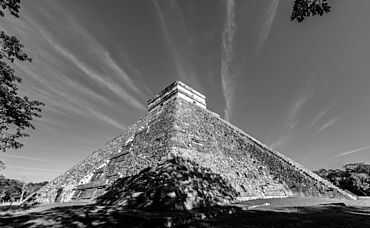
{"x": 190, "y": 131}
{"x": 250, "y": 180}
{"x": 143, "y": 144}
{"x": 208, "y": 134}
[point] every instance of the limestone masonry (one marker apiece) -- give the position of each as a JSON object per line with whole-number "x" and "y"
{"x": 185, "y": 156}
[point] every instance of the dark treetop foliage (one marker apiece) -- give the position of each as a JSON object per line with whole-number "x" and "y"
{"x": 355, "y": 178}
{"x": 15, "y": 112}
{"x": 11, "y": 5}
{"x": 309, "y": 8}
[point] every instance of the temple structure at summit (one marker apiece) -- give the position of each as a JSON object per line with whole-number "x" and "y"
{"x": 177, "y": 147}
{"x": 177, "y": 89}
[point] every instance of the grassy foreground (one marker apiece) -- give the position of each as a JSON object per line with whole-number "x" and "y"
{"x": 288, "y": 212}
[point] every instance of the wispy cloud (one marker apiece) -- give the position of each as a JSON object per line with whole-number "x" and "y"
{"x": 293, "y": 114}
{"x": 314, "y": 156}
{"x": 352, "y": 151}
{"x": 301, "y": 98}
{"x": 294, "y": 110}
{"x": 97, "y": 62}
{"x": 280, "y": 142}
{"x": 178, "y": 11}
{"x": 32, "y": 159}
{"x": 104, "y": 81}
{"x": 59, "y": 100}
{"x": 162, "y": 22}
{"x": 107, "y": 119}
{"x": 27, "y": 158}
{"x": 73, "y": 24}
{"x": 318, "y": 117}
{"x": 266, "y": 22}
{"x": 228, "y": 80}
{"x": 36, "y": 169}
{"x": 327, "y": 124}
{"x": 178, "y": 40}
{"x": 102, "y": 54}
{"x": 63, "y": 80}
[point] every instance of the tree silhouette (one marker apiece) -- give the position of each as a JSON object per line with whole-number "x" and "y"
{"x": 15, "y": 112}
{"x": 309, "y": 8}
{"x": 355, "y": 178}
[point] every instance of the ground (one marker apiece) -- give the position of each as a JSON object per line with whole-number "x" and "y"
{"x": 286, "y": 212}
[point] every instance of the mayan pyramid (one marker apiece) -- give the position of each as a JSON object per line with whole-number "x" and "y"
{"x": 179, "y": 131}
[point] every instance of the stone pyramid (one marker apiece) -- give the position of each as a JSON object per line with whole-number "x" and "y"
{"x": 179, "y": 127}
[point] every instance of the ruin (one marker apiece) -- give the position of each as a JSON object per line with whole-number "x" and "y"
{"x": 180, "y": 137}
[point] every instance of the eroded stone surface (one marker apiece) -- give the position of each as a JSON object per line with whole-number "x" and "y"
{"x": 141, "y": 145}
{"x": 175, "y": 183}
{"x": 187, "y": 130}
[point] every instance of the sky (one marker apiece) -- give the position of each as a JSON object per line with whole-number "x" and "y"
{"x": 300, "y": 88}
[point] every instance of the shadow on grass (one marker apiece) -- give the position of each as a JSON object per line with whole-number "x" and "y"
{"x": 69, "y": 216}
{"x": 16, "y": 208}
{"x": 103, "y": 216}
{"x": 311, "y": 216}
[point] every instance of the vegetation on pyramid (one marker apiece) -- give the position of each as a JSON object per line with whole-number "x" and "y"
{"x": 175, "y": 183}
